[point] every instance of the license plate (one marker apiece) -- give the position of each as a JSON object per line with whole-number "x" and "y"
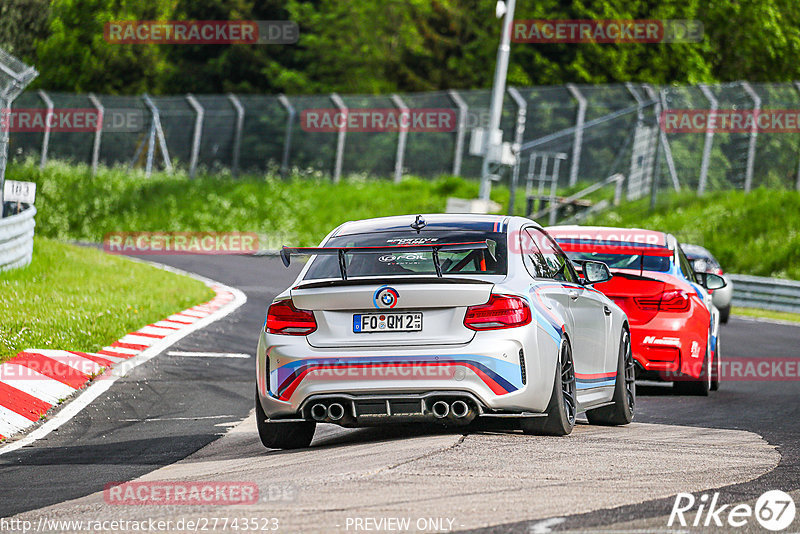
{"x": 364, "y": 323}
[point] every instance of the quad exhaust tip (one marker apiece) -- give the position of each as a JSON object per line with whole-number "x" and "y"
{"x": 335, "y": 411}
{"x": 319, "y": 412}
{"x": 460, "y": 409}
{"x": 440, "y": 409}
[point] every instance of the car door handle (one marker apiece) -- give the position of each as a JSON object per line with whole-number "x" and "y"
{"x": 574, "y": 294}
{"x": 606, "y": 310}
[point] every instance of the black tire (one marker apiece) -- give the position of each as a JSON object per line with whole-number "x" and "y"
{"x": 699, "y": 387}
{"x": 716, "y": 370}
{"x": 724, "y": 314}
{"x": 283, "y": 435}
{"x": 562, "y": 408}
{"x": 621, "y": 412}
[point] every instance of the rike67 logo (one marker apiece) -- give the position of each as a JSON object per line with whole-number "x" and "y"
{"x": 774, "y": 510}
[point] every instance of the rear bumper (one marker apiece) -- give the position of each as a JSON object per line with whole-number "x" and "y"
{"x": 487, "y": 370}
{"x": 666, "y": 346}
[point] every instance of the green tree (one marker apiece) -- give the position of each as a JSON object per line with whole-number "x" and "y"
{"x": 75, "y": 55}
{"x": 22, "y": 22}
{"x": 379, "y": 46}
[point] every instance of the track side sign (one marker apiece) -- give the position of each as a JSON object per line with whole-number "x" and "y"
{"x": 14, "y": 191}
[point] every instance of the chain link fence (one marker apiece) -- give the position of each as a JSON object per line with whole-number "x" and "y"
{"x": 14, "y": 76}
{"x": 603, "y": 130}
{"x": 16, "y": 231}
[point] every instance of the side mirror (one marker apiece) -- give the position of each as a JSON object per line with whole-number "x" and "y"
{"x": 711, "y": 281}
{"x": 595, "y": 272}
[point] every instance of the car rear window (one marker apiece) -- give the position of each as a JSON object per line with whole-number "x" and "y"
{"x": 474, "y": 262}
{"x": 659, "y": 264}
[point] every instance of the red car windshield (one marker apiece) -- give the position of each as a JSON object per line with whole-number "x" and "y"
{"x": 659, "y": 264}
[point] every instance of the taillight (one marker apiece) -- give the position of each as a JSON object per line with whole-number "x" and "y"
{"x": 502, "y": 311}
{"x": 671, "y": 300}
{"x": 674, "y": 300}
{"x": 647, "y": 303}
{"x": 284, "y": 318}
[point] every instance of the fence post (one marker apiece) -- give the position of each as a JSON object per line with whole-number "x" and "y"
{"x": 639, "y": 103}
{"x": 797, "y": 86}
{"x": 656, "y": 177}
{"x": 554, "y": 188}
{"x": 340, "y": 138}
{"x": 151, "y": 151}
{"x": 46, "y": 137}
{"x": 5, "y": 104}
{"x": 633, "y": 176}
{"x": 98, "y": 134}
{"x": 578, "y": 140}
{"x": 519, "y": 132}
{"x": 198, "y": 133}
{"x": 287, "y": 140}
{"x": 462, "y": 126}
{"x": 751, "y": 146}
{"x": 651, "y": 94}
{"x": 159, "y": 131}
{"x": 662, "y": 97}
{"x": 709, "y": 140}
{"x": 402, "y": 136}
{"x": 237, "y": 138}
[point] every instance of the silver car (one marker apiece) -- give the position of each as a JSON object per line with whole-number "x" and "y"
{"x": 441, "y": 318}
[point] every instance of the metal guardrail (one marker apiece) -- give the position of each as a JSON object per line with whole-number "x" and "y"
{"x": 767, "y": 293}
{"x": 16, "y": 239}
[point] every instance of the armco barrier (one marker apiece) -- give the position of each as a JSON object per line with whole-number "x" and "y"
{"x": 16, "y": 239}
{"x": 766, "y": 293}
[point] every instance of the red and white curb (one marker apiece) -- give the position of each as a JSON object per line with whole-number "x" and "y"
{"x": 36, "y": 380}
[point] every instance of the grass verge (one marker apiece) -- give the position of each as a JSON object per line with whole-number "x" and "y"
{"x": 767, "y": 314}
{"x": 756, "y": 233}
{"x": 77, "y": 298}
{"x": 299, "y": 210}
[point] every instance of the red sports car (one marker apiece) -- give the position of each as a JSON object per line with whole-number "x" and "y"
{"x": 674, "y": 326}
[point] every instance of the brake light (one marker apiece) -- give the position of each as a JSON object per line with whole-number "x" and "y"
{"x": 284, "y": 318}
{"x": 502, "y": 311}
{"x": 647, "y": 303}
{"x": 674, "y": 300}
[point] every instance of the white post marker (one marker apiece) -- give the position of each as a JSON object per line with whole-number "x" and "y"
{"x": 19, "y": 192}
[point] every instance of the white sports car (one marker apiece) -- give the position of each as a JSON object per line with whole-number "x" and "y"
{"x": 441, "y": 318}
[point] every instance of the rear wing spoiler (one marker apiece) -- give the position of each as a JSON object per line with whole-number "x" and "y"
{"x": 433, "y": 248}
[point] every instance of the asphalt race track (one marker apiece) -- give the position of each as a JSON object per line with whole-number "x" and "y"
{"x": 188, "y": 419}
